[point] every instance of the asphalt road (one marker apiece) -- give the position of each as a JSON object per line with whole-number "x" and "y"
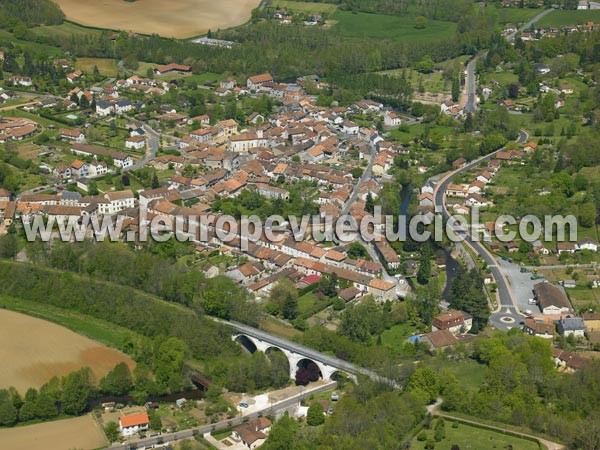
{"x": 471, "y": 85}
{"x": 152, "y": 147}
{"x": 511, "y": 37}
{"x": 353, "y": 197}
{"x": 471, "y": 76}
{"x": 186, "y": 434}
{"x": 507, "y": 315}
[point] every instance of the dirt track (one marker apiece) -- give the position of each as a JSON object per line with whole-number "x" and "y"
{"x": 170, "y": 18}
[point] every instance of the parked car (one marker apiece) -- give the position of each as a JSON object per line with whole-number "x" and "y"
{"x": 335, "y": 396}
{"x": 243, "y": 405}
{"x": 330, "y": 410}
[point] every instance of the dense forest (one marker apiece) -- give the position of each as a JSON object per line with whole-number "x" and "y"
{"x": 29, "y": 13}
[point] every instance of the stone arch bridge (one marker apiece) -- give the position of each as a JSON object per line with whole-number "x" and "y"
{"x": 296, "y": 354}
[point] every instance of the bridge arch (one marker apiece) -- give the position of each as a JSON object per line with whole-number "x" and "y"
{"x": 272, "y": 352}
{"x": 310, "y": 369}
{"x": 307, "y": 371}
{"x": 247, "y": 343}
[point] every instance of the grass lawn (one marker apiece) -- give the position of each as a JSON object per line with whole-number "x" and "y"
{"x": 307, "y": 302}
{"x": 583, "y": 296}
{"x": 469, "y": 373}
{"x": 379, "y": 26}
{"x": 469, "y": 437}
{"x": 106, "y": 66}
{"x": 305, "y": 7}
{"x": 106, "y": 333}
{"x": 272, "y": 325}
{"x": 220, "y": 435}
{"x": 396, "y": 336}
{"x": 563, "y": 18}
{"x": 504, "y": 78}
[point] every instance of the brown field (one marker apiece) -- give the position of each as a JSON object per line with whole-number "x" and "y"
{"x": 174, "y": 18}
{"x": 34, "y": 350}
{"x": 81, "y": 433}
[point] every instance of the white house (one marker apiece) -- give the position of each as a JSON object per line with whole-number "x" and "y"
{"x": 97, "y": 168}
{"x": 349, "y": 127}
{"x": 133, "y": 423}
{"x": 242, "y": 143}
{"x": 457, "y": 322}
{"x": 257, "y": 81}
{"x": 18, "y": 80}
{"x": 104, "y": 108}
{"x": 123, "y": 106}
{"x": 136, "y": 142}
{"x": 116, "y": 201}
{"x": 568, "y": 326}
{"x": 587, "y": 244}
{"x": 391, "y": 119}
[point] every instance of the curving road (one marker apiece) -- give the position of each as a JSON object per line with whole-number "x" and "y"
{"x": 471, "y": 76}
{"x": 507, "y": 314}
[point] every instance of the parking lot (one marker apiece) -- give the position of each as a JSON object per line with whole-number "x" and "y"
{"x": 521, "y": 285}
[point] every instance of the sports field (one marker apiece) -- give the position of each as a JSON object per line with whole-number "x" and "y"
{"x": 78, "y": 433}
{"x": 179, "y": 19}
{"x": 33, "y": 351}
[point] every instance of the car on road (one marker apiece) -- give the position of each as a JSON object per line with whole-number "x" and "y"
{"x": 524, "y": 270}
{"x": 532, "y": 301}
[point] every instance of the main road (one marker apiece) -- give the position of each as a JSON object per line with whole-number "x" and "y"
{"x": 166, "y": 438}
{"x": 507, "y": 313}
{"x": 471, "y": 76}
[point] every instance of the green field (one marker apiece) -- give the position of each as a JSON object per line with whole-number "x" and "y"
{"x": 396, "y": 336}
{"x": 106, "y": 66}
{"x": 304, "y": 7}
{"x": 469, "y": 373}
{"x": 379, "y": 26}
{"x": 470, "y": 437}
{"x": 565, "y": 18}
{"x": 513, "y": 15}
{"x": 64, "y": 30}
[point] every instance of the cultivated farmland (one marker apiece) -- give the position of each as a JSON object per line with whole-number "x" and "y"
{"x": 81, "y": 432}
{"x": 33, "y": 351}
{"x": 179, "y": 19}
